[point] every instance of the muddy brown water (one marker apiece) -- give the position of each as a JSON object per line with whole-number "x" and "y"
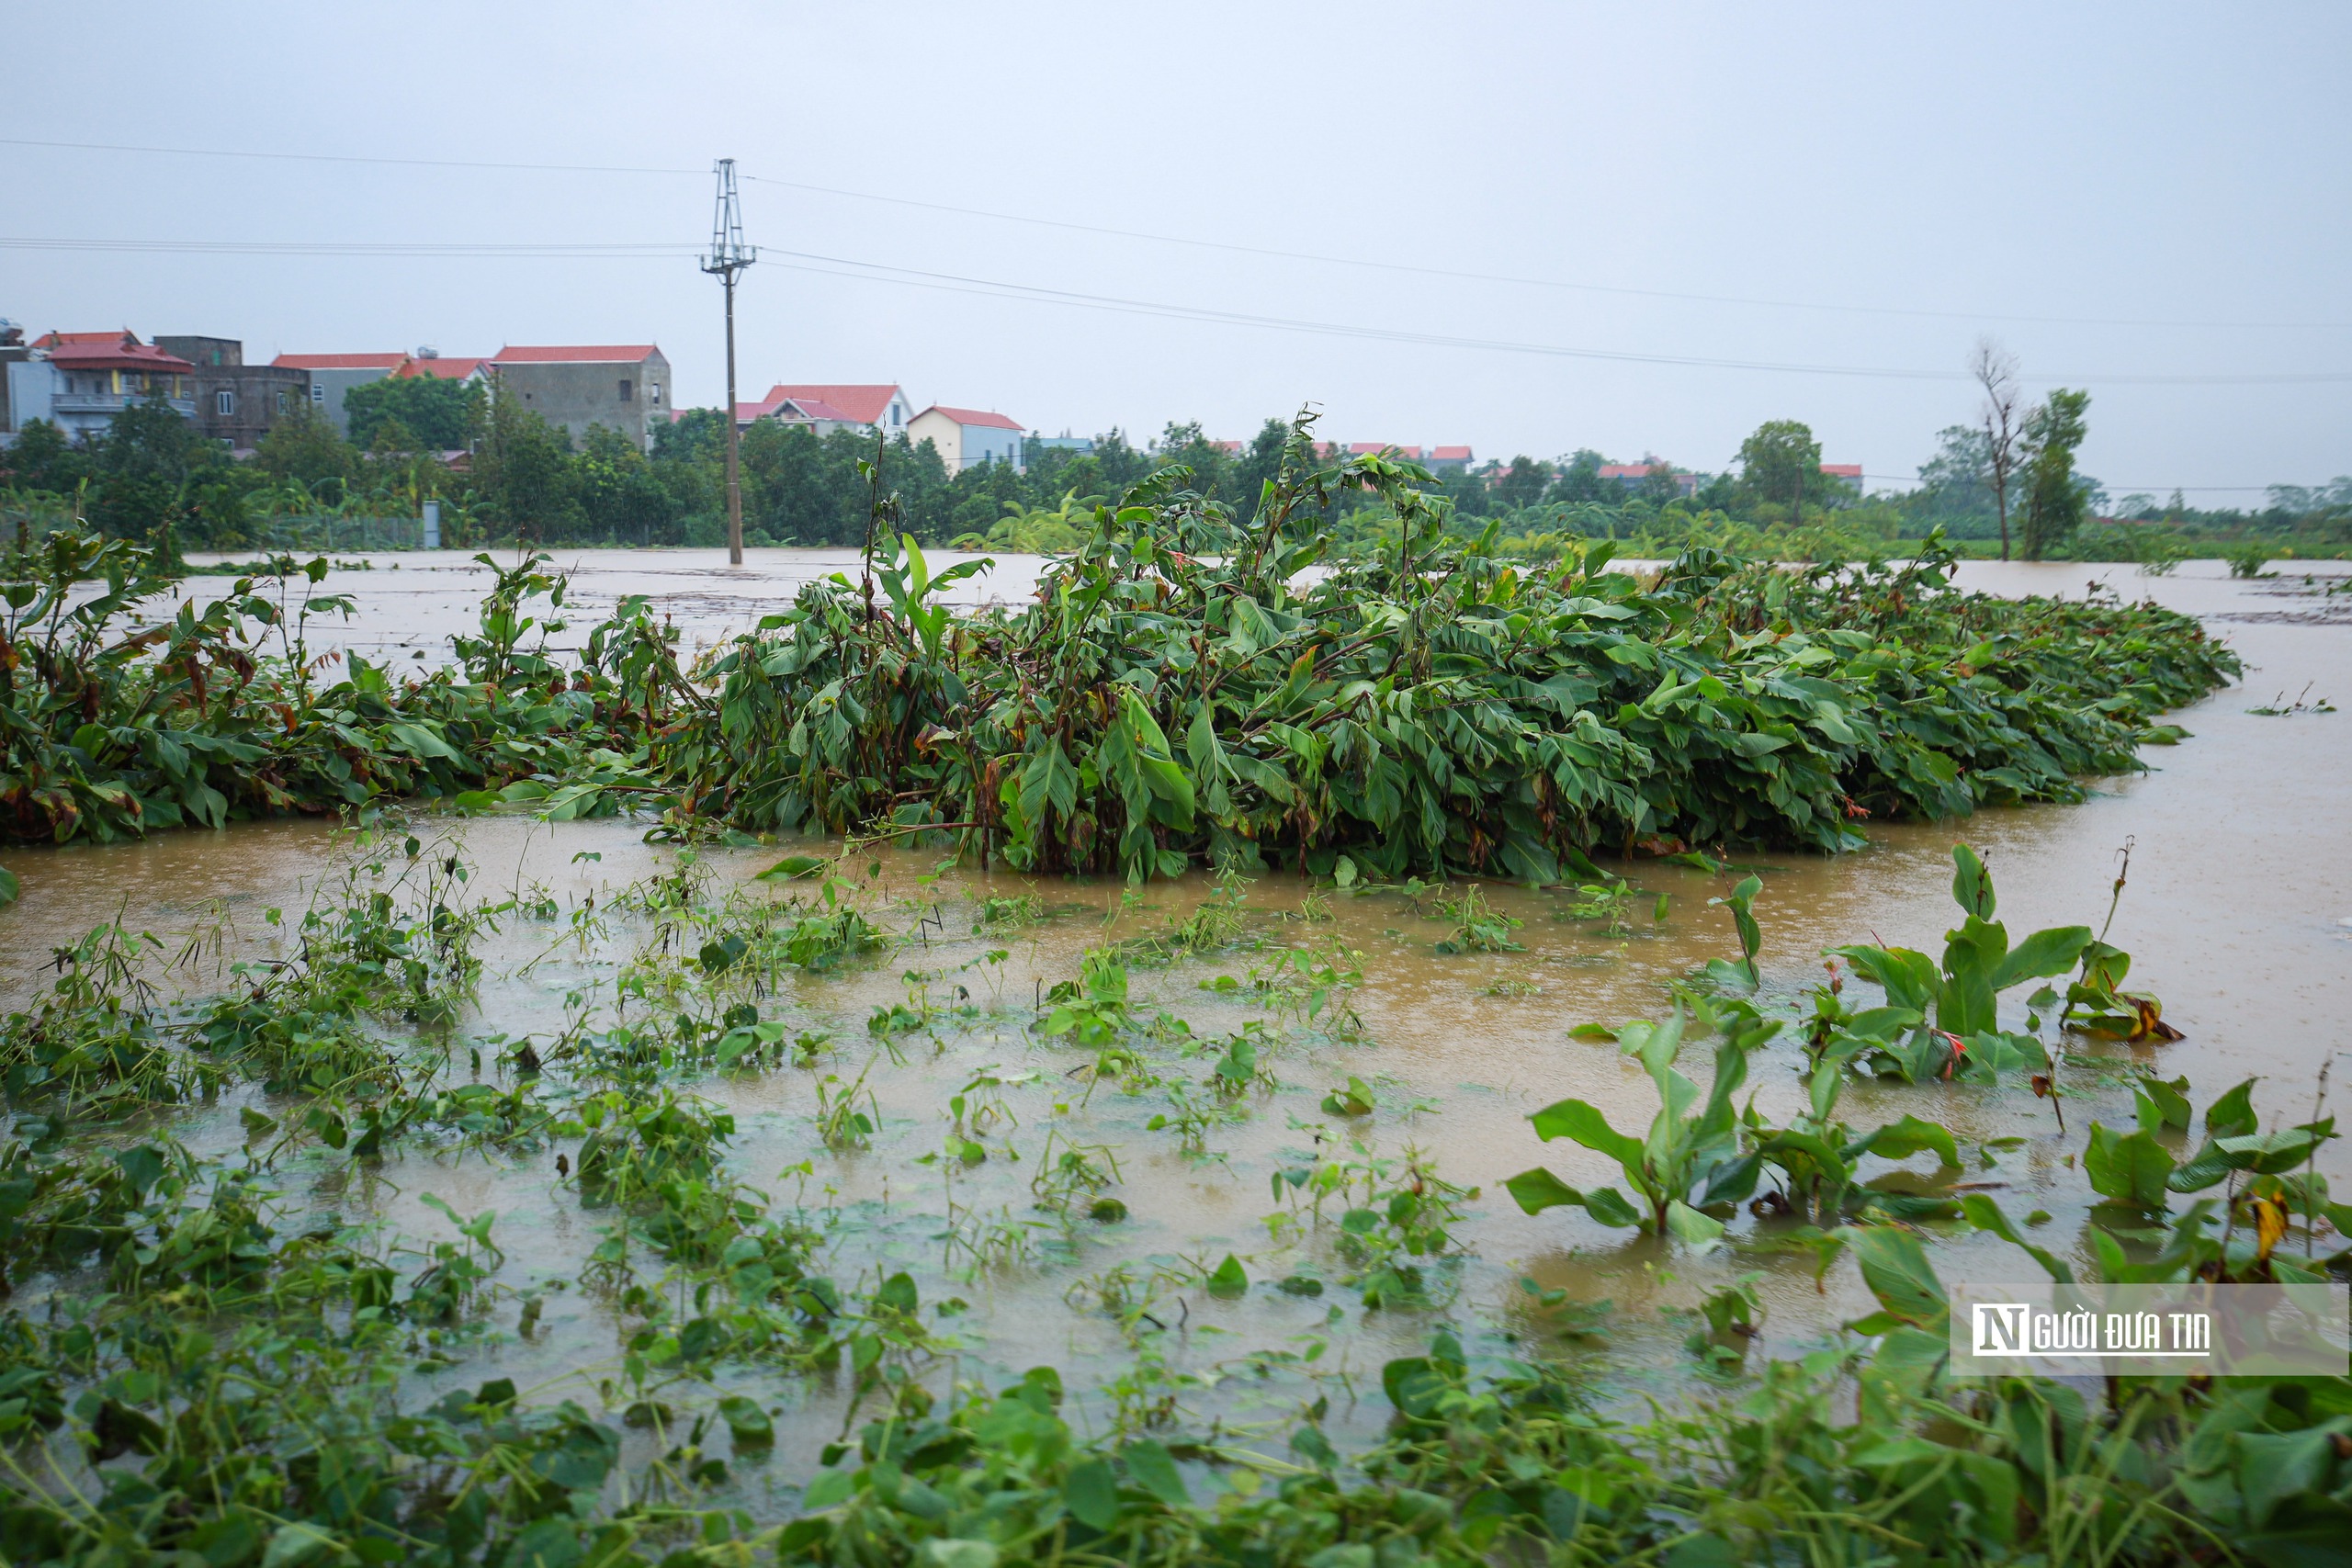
{"x": 2238, "y": 913}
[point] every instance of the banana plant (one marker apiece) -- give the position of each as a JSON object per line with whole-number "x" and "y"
{"x": 1819, "y": 1157}
{"x": 1961, "y": 994}
{"x": 1690, "y": 1162}
{"x": 907, "y": 579}
{"x": 2271, "y": 1178}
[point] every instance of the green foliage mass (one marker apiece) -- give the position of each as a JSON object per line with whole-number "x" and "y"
{"x": 224, "y": 709}
{"x": 1193, "y": 688}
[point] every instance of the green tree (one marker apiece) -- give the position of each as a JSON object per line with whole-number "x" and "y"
{"x": 1779, "y": 462}
{"x": 622, "y": 499}
{"x": 141, "y": 470}
{"x": 304, "y": 448}
{"x": 440, "y": 414}
{"x": 522, "y": 474}
{"x": 2054, "y": 497}
{"x": 1661, "y": 485}
{"x": 1258, "y": 464}
{"x": 1580, "y": 483}
{"x": 1523, "y": 483}
{"x": 44, "y": 459}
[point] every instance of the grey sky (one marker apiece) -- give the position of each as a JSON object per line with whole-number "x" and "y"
{"x": 2102, "y": 165}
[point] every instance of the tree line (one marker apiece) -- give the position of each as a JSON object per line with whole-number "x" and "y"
{"x": 2009, "y": 479}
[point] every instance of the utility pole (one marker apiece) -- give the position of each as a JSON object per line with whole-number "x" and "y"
{"x": 728, "y": 257}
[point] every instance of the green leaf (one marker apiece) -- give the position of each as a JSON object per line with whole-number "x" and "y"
{"x": 1987, "y": 1216}
{"x": 2130, "y": 1169}
{"x": 1689, "y": 1224}
{"x": 1152, "y": 1468}
{"x": 1583, "y": 1122}
{"x": 1230, "y": 1280}
{"x": 1896, "y": 1270}
{"x": 791, "y": 868}
{"x": 10, "y": 888}
{"x": 1537, "y": 1189}
{"x": 2270, "y": 1154}
{"x": 295, "y": 1542}
{"x": 746, "y": 1422}
{"x": 1901, "y": 1140}
{"x": 1091, "y": 1494}
{"x": 2041, "y": 955}
{"x": 2231, "y": 1116}
{"x": 1610, "y": 1208}
{"x": 1910, "y": 979}
{"x": 1971, "y": 885}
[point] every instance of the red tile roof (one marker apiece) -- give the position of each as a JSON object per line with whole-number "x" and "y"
{"x": 1360, "y": 448}
{"x": 975, "y": 417}
{"x": 1842, "y": 470}
{"x": 340, "y": 361}
{"x": 596, "y": 354}
{"x": 793, "y": 410}
{"x": 119, "y": 337}
{"x": 115, "y": 355}
{"x": 1450, "y": 454}
{"x": 865, "y": 404}
{"x": 1633, "y": 471}
{"x": 441, "y": 369}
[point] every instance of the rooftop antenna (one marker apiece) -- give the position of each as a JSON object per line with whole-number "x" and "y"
{"x": 728, "y": 258}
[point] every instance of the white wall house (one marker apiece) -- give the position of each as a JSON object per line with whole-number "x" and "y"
{"x": 875, "y": 406}
{"x": 968, "y": 436}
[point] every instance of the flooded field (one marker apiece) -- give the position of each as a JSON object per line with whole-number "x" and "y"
{"x": 723, "y": 1146}
{"x": 1148, "y": 1220}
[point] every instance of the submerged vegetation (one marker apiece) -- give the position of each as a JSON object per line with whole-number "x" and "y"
{"x": 1190, "y": 689}
{"x": 443, "y": 1223}
{"x": 238, "y": 1356}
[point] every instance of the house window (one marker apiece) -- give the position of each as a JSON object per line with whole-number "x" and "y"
{"x": 653, "y": 393}
{"x": 626, "y": 388}
{"x": 224, "y": 402}
{"x": 281, "y": 403}
{"x": 318, "y": 393}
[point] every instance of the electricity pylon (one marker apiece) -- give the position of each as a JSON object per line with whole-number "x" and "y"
{"x": 728, "y": 258}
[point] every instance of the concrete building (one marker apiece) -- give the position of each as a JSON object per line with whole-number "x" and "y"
{"x": 1448, "y": 460}
{"x": 79, "y": 381}
{"x": 331, "y": 375}
{"x": 873, "y": 405}
{"x": 237, "y": 402}
{"x": 14, "y": 350}
{"x": 967, "y": 438}
{"x": 623, "y": 387}
{"x": 1847, "y": 474}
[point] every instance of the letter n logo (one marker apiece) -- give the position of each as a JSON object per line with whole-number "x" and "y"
{"x": 2000, "y": 1327}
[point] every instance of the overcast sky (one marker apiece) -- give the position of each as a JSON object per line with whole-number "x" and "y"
{"x": 2114, "y": 191}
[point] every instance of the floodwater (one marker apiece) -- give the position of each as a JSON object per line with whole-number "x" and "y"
{"x": 2237, "y": 912}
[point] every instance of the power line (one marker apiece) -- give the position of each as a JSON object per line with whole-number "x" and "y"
{"x": 350, "y": 158}
{"x": 1462, "y": 275}
{"x": 623, "y": 251}
{"x": 1068, "y": 226}
{"x": 878, "y": 272}
{"x": 957, "y": 283}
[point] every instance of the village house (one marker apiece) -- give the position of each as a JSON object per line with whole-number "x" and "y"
{"x": 623, "y": 387}
{"x": 331, "y": 375}
{"x": 237, "y": 402}
{"x": 79, "y": 381}
{"x": 965, "y": 438}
